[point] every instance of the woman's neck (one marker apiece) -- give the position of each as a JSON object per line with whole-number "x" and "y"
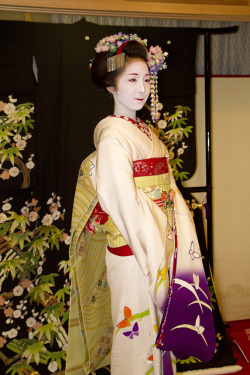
{"x": 127, "y": 112}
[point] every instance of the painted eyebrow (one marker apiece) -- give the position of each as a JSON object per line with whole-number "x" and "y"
{"x": 136, "y": 74}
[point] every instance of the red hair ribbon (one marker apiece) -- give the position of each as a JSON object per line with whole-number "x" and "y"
{"x": 119, "y": 50}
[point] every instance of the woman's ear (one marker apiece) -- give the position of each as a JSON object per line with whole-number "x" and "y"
{"x": 111, "y": 89}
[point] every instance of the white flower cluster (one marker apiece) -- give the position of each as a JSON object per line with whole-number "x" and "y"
{"x": 15, "y": 116}
{"x": 30, "y": 210}
{"x": 5, "y": 207}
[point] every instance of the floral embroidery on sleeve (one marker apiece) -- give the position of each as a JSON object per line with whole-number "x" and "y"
{"x": 98, "y": 217}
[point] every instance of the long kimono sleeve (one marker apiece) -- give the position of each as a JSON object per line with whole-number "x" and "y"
{"x": 141, "y": 222}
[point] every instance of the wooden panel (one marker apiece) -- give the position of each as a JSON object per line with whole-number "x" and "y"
{"x": 201, "y": 2}
{"x": 176, "y": 9}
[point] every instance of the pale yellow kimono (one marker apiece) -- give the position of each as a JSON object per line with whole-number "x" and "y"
{"x": 138, "y": 283}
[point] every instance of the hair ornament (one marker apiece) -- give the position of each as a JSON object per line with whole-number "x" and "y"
{"x": 156, "y": 61}
{"x": 115, "y": 62}
{"x": 113, "y": 42}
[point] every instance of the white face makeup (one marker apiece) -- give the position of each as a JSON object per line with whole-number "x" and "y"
{"x": 132, "y": 89}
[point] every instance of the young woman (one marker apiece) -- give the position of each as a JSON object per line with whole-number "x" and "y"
{"x": 125, "y": 194}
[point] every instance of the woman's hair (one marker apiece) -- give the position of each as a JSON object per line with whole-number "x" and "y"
{"x": 99, "y": 74}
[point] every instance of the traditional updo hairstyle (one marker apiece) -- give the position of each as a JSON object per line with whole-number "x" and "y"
{"x": 99, "y": 74}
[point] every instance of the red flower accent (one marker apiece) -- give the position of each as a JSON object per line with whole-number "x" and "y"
{"x": 164, "y": 196}
{"x": 101, "y": 219}
{"x": 98, "y": 216}
{"x": 90, "y": 227}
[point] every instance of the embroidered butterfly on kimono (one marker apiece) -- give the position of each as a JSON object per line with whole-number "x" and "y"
{"x": 195, "y": 254}
{"x": 127, "y": 322}
{"x": 127, "y": 315}
{"x": 133, "y": 332}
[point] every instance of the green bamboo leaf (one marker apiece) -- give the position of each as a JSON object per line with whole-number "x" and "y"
{"x": 64, "y": 265}
{"x": 48, "y": 230}
{"x": 12, "y": 265}
{"x": 38, "y": 292}
{"x": 33, "y": 352}
{"x": 58, "y": 356}
{"x": 14, "y": 239}
{"x": 3, "y": 144}
{"x": 5, "y": 134}
{"x": 43, "y": 279}
{"x": 60, "y": 294}
{"x": 54, "y": 241}
{"x": 46, "y": 331}
{"x": 39, "y": 244}
{"x": 53, "y": 309}
{"x": 18, "y": 367}
{"x": 4, "y": 228}
{"x": 10, "y": 153}
{"x": 19, "y": 222}
{"x": 19, "y": 346}
{"x": 20, "y": 239}
{"x": 182, "y": 176}
{"x": 65, "y": 316}
{"x": 29, "y": 124}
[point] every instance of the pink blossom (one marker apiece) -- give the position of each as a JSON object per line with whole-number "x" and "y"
{"x": 104, "y": 48}
{"x": 111, "y": 38}
{"x": 2, "y": 105}
{"x": 37, "y": 325}
{"x": 34, "y": 202}
{"x": 53, "y": 207}
{"x": 156, "y": 49}
{"x": 8, "y": 312}
{"x": 2, "y": 341}
{"x": 5, "y": 175}
{"x": 26, "y": 213}
{"x": 171, "y": 194}
{"x": 26, "y": 283}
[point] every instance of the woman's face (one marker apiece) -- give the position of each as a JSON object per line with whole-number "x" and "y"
{"x": 132, "y": 88}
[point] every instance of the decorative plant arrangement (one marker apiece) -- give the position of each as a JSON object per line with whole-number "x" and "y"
{"x": 172, "y": 129}
{"x": 33, "y": 314}
{"x": 15, "y": 124}
{"x": 25, "y": 238}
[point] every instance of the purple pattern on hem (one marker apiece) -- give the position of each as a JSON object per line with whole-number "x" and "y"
{"x": 166, "y": 364}
{"x": 197, "y": 337}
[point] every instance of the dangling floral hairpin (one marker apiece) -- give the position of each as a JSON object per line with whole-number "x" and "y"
{"x": 156, "y": 61}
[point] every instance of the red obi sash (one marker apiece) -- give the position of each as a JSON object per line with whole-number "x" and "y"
{"x": 141, "y": 168}
{"x": 150, "y": 167}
